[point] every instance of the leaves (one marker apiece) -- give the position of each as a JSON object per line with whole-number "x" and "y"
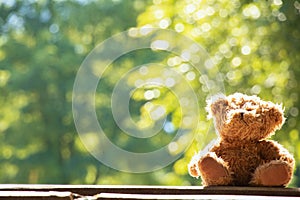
{"x": 253, "y": 44}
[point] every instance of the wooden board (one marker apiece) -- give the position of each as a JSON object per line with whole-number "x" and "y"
{"x": 144, "y": 192}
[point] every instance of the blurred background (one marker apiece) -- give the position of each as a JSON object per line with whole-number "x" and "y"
{"x": 255, "y": 46}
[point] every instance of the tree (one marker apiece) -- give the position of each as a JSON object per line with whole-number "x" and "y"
{"x": 253, "y": 44}
{"x": 42, "y": 47}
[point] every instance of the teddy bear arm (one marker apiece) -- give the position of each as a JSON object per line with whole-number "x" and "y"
{"x": 271, "y": 150}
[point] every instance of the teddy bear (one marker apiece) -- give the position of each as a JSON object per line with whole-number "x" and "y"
{"x": 242, "y": 155}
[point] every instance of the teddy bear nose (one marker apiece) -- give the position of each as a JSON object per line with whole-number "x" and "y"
{"x": 242, "y": 115}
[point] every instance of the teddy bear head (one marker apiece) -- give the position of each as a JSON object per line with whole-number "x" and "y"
{"x": 242, "y": 117}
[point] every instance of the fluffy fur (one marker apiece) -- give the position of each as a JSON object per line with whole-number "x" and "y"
{"x": 243, "y": 156}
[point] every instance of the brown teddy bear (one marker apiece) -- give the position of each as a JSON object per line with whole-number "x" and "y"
{"x": 242, "y": 155}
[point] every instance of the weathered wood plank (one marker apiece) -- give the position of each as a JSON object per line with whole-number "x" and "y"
{"x": 34, "y": 195}
{"x": 91, "y": 190}
{"x": 198, "y": 197}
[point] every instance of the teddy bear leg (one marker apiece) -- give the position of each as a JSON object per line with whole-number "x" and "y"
{"x": 274, "y": 173}
{"x": 213, "y": 171}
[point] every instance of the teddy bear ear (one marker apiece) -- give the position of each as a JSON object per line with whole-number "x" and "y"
{"x": 215, "y": 104}
{"x": 277, "y": 115}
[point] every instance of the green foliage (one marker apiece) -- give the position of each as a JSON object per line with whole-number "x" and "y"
{"x": 254, "y": 45}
